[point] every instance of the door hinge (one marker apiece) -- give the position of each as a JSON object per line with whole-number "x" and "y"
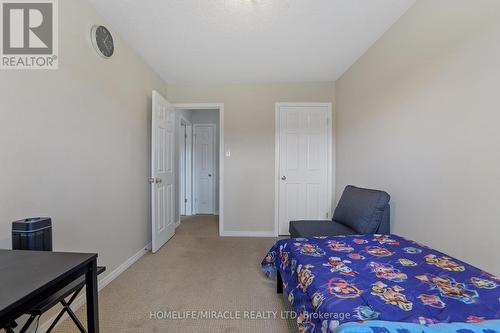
{"x": 185, "y": 200}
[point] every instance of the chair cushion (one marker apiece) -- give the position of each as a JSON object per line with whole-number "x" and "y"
{"x": 318, "y": 228}
{"x": 361, "y": 209}
{"x": 61, "y": 294}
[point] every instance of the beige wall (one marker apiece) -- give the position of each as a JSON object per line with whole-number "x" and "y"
{"x": 74, "y": 144}
{"x": 418, "y": 115}
{"x": 249, "y": 133}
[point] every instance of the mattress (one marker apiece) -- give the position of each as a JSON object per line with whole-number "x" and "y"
{"x": 382, "y": 283}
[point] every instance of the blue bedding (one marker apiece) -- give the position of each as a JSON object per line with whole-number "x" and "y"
{"x": 382, "y": 283}
{"x": 376, "y": 326}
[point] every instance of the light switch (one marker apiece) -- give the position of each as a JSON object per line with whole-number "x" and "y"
{"x": 228, "y": 152}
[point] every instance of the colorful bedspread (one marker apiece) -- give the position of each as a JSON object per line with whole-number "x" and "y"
{"x": 366, "y": 280}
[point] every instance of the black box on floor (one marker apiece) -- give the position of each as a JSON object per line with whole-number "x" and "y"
{"x": 32, "y": 234}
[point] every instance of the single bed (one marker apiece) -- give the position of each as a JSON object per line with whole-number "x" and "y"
{"x": 382, "y": 283}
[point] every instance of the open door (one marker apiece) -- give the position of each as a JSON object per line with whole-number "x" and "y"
{"x": 162, "y": 172}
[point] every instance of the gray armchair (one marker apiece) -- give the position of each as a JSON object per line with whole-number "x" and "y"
{"x": 359, "y": 211}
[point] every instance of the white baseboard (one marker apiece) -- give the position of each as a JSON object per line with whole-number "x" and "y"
{"x": 247, "y": 234}
{"x": 80, "y": 300}
{"x": 178, "y": 223}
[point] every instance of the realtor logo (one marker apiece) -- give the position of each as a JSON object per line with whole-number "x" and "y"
{"x": 29, "y": 38}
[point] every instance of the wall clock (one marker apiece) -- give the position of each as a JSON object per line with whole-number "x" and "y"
{"x": 102, "y": 40}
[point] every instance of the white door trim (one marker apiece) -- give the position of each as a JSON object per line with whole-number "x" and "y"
{"x": 220, "y": 107}
{"x": 330, "y": 158}
{"x": 214, "y": 164}
{"x": 188, "y": 166}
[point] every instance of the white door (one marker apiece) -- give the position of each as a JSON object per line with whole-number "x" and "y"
{"x": 189, "y": 170}
{"x": 182, "y": 168}
{"x": 162, "y": 175}
{"x": 204, "y": 168}
{"x": 304, "y": 158}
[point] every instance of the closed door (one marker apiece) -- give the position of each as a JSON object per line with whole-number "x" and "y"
{"x": 162, "y": 174}
{"x": 204, "y": 169}
{"x": 304, "y": 158}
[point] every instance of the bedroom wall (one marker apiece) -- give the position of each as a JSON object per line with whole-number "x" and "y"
{"x": 418, "y": 116}
{"x": 75, "y": 143}
{"x": 249, "y": 112}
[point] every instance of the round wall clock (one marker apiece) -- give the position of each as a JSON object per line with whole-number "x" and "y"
{"x": 102, "y": 41}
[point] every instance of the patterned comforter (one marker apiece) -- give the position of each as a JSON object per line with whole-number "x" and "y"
{"x": 382, "y": 283}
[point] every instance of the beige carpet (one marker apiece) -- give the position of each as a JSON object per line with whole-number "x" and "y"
{"x": 195, "y": 271}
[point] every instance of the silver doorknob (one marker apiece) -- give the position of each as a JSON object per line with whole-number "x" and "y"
{"x": 283, "y": 178}
{"x": 158, "y": 180}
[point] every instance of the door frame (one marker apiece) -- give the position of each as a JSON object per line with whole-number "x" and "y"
{"x": 214, "y": 164}
{"x": 220, "y": 107}
{"x": 188, "y": 167}
{"x": 330, "y": 157}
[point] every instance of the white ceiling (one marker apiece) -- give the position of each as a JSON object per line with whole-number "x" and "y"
{"x": 228, "y": 41}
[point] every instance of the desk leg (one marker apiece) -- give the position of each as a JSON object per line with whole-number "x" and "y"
{"x": 91, "y": 291}
{"x": 279, "y": 283}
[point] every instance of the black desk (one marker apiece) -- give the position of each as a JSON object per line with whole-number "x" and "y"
{"x": 28, "y": 277}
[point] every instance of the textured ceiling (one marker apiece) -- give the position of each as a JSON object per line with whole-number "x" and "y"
{"x": 228, "y": 41}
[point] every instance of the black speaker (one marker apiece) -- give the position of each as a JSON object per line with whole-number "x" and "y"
{"x": 32, "y": 234}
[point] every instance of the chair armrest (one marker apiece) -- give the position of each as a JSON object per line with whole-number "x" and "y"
{"x": 61, "y": 294}
{"x": 311, "y": 221}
